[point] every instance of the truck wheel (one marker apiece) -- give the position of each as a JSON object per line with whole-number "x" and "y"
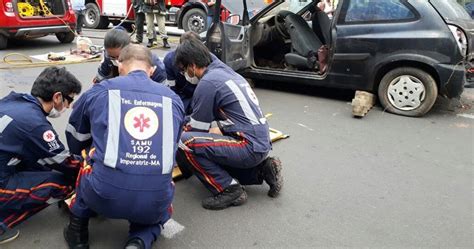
{"x": 67, "y": 37}
{"x": 92, "y": 18}
{"x": 408, "y": 91}
{"x": 3, "y": 42}
{"x": 195, "y": 20}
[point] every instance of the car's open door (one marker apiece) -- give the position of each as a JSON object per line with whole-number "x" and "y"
{"x": 230, "y": 41}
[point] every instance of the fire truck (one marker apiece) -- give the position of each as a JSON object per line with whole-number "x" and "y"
{"x": 186, "y": 14}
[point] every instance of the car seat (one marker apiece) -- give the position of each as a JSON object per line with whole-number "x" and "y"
{"x": 322, "y": 26}
{"x": 304, "y": 43}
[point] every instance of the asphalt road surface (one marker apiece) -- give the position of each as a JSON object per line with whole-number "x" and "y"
{"x": 380, "y": 181}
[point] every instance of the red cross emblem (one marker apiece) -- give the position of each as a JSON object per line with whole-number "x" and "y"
{"x": 49, "y": 136}
{"x": 141, "y": 122}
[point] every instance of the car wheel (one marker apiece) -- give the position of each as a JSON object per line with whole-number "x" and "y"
{"x": 195, "y": 20}
{"x": 3, "y": 42}
{"x": 408, "y": 91}
{"x": 92, "y": 18}
{"x": 67, "y": 37}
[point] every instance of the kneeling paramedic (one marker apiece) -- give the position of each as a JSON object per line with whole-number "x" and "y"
{"x": 132, "y": 144}
{"x": 176, "y": 80}
{"x": 30, "y": 150}
{"x": 115, "y": 40}
{"x": 226, "y": 142}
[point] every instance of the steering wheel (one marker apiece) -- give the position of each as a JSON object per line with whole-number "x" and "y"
{"x": 280, "y": 23}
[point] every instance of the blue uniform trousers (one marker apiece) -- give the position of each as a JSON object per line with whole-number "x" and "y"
{"x": 217, "y": 159}
{"x": 146, "y": 211}
{"x": 28, "y": 192}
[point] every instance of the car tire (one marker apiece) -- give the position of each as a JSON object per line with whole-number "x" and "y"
{"x": 195, "y": 20}
{"x": 407, "y": 91}
{"x": 3, "y": 42}
{"x": 67, "y": 37}
{"x": 93, "y": 19}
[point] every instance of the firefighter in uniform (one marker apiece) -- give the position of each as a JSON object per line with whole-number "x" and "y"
{"x": 30, "y": 149}
{"x": 226, "y": 142}
{"x": 115, "y": 40}
{"x": 132, "y": 144}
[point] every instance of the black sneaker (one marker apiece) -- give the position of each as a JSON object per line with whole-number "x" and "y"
{"x": 234, "y": 195}
{"x": 8, "y": 235}
{"x": 165, "y": 43}
{"x": 135, "y": 243}
{"x": 149, "y": 44}
{"x": 272, "y": 175}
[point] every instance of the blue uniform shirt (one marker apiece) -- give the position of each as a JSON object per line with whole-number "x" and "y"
{"x": 224, "y": 96}
{"x": 107, "y": 70}
{"x": 27, "y": 139}
{"x": 134, "y": 125}
{"x": 177, "y": 82}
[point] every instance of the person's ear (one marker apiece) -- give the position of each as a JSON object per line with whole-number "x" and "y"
{"x": 151, "y": 71}
{"x": 121, "y": 68}
{"x": 57, "y": 97}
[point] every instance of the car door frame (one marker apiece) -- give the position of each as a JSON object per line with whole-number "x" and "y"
{"x": 233, "y": 51}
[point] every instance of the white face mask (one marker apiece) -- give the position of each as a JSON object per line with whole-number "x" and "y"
{"x": 55, "y": 113}
{"x": 114, "y": 62}
{"x": 193, "y": 80}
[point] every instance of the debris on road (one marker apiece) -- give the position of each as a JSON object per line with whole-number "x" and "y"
{"x": 362, "y": 103}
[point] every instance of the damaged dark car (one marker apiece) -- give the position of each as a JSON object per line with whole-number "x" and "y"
{"x": 406, "y": 51}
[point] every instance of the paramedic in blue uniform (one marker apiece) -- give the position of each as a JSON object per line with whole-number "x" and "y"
{"x": 179, "y": 82}
{"x": 30, "y": 149}
{"x": 131, "y": 127}
{"x": 226, "y": 142}
{"x": 115, "y": 40}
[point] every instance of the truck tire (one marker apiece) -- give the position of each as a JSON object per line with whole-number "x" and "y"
{"x": 93, "y": 19}
{"x": 408, "y": 91}
{"x": 3, "y": 42}
{"x": 195, "y": 20}
{"x": 67, "y": 37}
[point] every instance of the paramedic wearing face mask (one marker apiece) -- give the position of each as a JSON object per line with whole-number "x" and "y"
{"x": 226, "y": 140}
{"x": 180, "y": 82}
{"x": 115, "y": 40}
{"x": 30, "y": 150}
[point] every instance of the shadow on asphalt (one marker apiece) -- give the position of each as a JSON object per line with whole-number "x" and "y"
{"x": 442, "y": 107}
{"x": 315, "y": 91}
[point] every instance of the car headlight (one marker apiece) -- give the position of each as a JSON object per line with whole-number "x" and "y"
{"x": 460, "y": 38}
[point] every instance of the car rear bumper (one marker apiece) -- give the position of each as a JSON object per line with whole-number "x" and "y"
{"x": 452, "y": 79}
{"x": 41, "y": 30}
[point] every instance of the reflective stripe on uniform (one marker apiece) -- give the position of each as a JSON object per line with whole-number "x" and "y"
{"x": 170, "y": 83}
{"x": 199, "y": 125}
{"x": 244, "y": 104}
{"x": 14, "y": 161}
{"x": 4, "y": 122}
{"x": 114, "y": 122}
{"x": 168, "y": 135}
{"x": 59, "y": 158}
{"x": 78, "y": 136}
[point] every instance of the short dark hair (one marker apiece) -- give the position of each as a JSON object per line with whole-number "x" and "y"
{"x": 53, "y": 80}
{"x": 189, "y": 35}
{"x": 136, "y": 52}
{"x": 192, "y": 51}
{"x": 116, "y": 38}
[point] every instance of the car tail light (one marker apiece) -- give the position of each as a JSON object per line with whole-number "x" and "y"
{"x": 9, "y": 7}
{"x": 460, "y": 37}
{"x": 470, "y": 70}
{"x": 69, "y": 5}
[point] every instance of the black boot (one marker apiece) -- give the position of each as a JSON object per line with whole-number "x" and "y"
{"x": 135, "y": 243}
{"x": 165, "y": 43}
{"x": 149, "y": 44}
{"x": 234, "y": 195}
{"x": 76, "y": 233}
{"x": 271, "y": 171}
